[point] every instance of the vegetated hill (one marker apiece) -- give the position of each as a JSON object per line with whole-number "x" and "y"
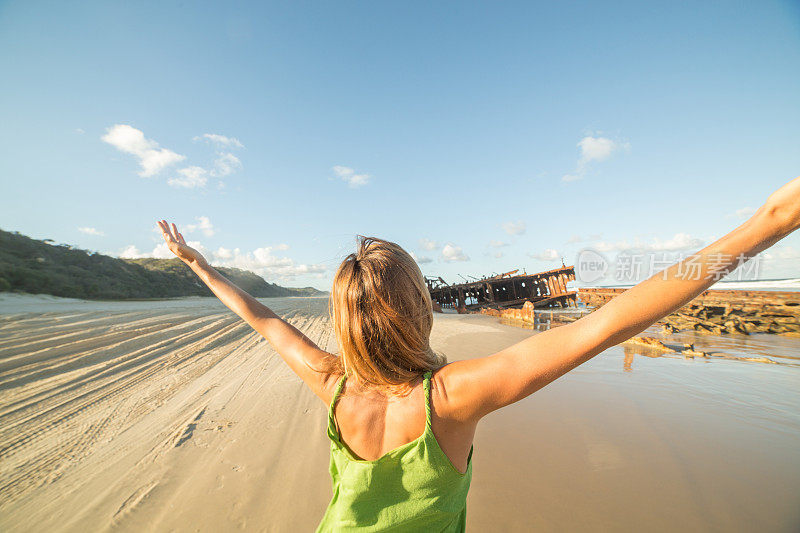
{"x": 34, "y": 266}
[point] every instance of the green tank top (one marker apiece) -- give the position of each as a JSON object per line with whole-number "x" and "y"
{"x": 412, "y": 488}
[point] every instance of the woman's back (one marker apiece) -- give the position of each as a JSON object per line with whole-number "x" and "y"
{"x": 373, "y": 423}
{"x": 387, "y": 467}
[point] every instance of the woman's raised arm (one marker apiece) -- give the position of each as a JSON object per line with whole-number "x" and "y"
{"x": 301, "y": 354}
{"x": 478, "y": 386}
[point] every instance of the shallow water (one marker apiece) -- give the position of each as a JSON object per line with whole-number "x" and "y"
{"x": 639, "y": 440}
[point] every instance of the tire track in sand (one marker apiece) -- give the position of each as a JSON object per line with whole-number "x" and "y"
{"x": 71, "y": 383}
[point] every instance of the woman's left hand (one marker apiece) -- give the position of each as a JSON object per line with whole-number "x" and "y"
{"x": 177, "y": 245}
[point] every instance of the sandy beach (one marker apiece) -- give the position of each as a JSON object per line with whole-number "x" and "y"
{"x": 174, "y": 416}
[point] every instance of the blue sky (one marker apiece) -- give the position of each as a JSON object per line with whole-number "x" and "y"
{"x": 480, "y": 136}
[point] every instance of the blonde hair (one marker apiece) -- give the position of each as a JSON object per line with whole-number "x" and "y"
{"x": 382, "y": 316}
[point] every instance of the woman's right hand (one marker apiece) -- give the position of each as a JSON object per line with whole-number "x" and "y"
{"x": 177, "y": 245}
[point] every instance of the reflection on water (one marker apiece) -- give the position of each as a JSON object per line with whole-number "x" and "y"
{"x": 762, "y": 348}
{"x": 756, "y": 348}
{"x": 545, "y": 319}
{"x": 631, "y": 350}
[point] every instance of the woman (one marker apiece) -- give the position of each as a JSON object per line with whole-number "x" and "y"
{"x": 401, "y": 421}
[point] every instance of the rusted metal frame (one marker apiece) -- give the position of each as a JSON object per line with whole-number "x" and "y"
{"x": 506, "y": 289}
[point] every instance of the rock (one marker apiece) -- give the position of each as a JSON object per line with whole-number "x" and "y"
{"x": 689, "y": 351}
{"x": 528, "y": 313}
{"x": 729, "y": 312}
{"x": 649, "y": 342}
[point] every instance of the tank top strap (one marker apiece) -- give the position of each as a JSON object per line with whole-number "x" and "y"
{"x": 336, "y": 393}
{"x": 426, "y": 385}
{"x": 333, "y": 430}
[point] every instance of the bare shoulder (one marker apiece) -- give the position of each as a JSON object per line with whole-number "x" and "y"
{"x": 327, "y": 386}
{"x": 452, "y": 388}
{"x": 453, "y": 422}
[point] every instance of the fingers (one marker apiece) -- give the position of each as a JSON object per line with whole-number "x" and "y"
{"x": 171, "y": 233}
{"x": 178, "y": 234}
{"x": 165, "y": 231}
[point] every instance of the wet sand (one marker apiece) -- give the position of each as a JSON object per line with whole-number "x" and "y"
{"x": 173, "y": 415}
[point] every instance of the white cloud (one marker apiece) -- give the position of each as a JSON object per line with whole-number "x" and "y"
{"x": 782, "y": 251}
{"x": 91, "y": 231}
{"x": 680, "y": 241}
{"x": 350, "y": 176}
{"x": 498, "y": 244}
{"x": 421, "y": 259}
{"x": 427, "y": 244}
{"x": 190, "y": 178}
{"x": 203, "y": 224}
{"x": 548, "y": 255}
{"x": 580, "y": 238}
{"x": 779, "y": 262}
{"x": 220, "y": 140}
{"x": 261, "y": 261}
{"x": 194, "y": 176}
{"x": 226, "y": 164}
{"x": 745, "y": 212}
{"x": 79, "y": 131}
{"x": 498, "y": 255}
{"x": 130, "y": 252}
{"x": 451, "y": 253}
{"x": 223, "y": 253}
{"x": 152, "y": 158}
{"x": 514, "y": 228}
{"x": 607, "y": 246}
{"x": 265, "y": 263}
{"x": 282, "y": 246}
{"x": 160, "y": 251}
{"x": 594, "y": 149}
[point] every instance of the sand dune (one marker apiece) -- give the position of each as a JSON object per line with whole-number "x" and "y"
{"x": 176, "y": 416}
